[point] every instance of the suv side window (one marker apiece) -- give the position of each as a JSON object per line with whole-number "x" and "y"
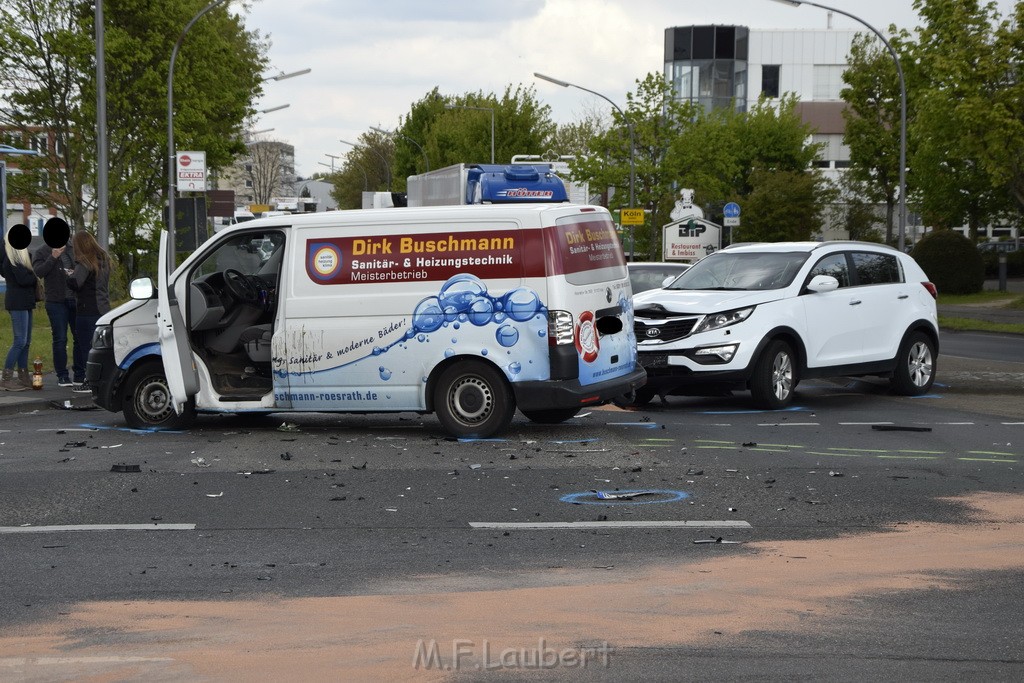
{"x": 834, "y": 265}
{"x": 876, "y": 269}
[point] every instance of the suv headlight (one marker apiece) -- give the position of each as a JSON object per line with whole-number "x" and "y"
{"x": 717, "y": 321}
{"x": 103, "y": 337}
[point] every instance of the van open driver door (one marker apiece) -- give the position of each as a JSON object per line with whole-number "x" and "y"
{"x": 179, "y": 368}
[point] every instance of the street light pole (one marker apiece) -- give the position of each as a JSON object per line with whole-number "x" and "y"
{"x": 629, "y": 124}
{"x": 332, "y": 158}
{"x": 387, "y": 166}
{"x": 102, "y": 145}
{"x": 490, "y": 109}
{"x": 426, "y": 159}
{"x": 902, "y": 211}
{"x": 170, "y": 127}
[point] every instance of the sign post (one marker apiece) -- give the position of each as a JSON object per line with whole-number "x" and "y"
{"x": 191, "y": 171}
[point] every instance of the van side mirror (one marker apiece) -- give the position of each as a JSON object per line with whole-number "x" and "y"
{"x": 823, "y": 283}
{"x": 142, "y": 288}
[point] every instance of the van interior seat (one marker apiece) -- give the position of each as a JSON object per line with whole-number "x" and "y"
{"x": 256, "y": 342}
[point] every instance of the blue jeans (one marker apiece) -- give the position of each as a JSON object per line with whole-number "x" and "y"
{"x": 62, "y": 318}
{"x": 84, "y": 327}
{"x": 21, "y": 322}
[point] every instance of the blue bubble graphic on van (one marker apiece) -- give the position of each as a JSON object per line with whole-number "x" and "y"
{"x": 521, "y": 304}
{"x": 461, "y": 290}
{"x": 480, "y": 311}
{"x": 500, "y": 326}
{"x": 507, "y": 336}
{"x": 428, "y": 315}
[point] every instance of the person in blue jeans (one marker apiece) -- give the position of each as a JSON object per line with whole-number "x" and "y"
{"x": 20, "y": 301}
{"x": 54, "y": 266}
{"x": 91, "y": 281}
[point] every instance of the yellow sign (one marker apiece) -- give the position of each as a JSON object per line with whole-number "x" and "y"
{"x": 631, "y": 216}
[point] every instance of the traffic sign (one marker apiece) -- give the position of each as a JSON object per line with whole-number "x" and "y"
{"x": 631, "y": 216}
{"x": 191, "y": 171}
{"x": 731, "y": 213}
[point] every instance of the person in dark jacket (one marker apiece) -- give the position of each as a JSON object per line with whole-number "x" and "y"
{"x": 90, "y": 280}
{"x": 20, "y": 301}
{"x": 54, "y": 266}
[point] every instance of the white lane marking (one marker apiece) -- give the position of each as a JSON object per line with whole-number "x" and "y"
{"x": 51, "y": 661}
{"x": 689, "y": 524}
{"x": 864, "y": 424}
{"x": 789, "y": 424}
{"x": 95, "y": 527}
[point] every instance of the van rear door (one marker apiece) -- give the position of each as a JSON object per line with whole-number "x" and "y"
{"x": 591, "y": 283}
{"x": 179, "y": 366}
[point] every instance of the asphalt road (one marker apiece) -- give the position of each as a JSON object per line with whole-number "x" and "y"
{"x": 875, "y": 536}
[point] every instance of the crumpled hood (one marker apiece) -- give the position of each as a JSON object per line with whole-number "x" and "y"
{"x": 703, "y": 301}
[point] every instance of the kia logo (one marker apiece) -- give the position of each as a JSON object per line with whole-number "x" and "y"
{"x": 653, "y": 332}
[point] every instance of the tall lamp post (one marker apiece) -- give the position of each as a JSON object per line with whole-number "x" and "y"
{"x": 426, "y": 159}
{"x": 170, "y": 124}
{"x": 902, "y": 211}
{"x": 387, "y": 166}
{"x": 490, "y": 109}
{"x": 629, "y": 124}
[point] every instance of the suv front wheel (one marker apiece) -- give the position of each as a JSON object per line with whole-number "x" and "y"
{"x": 774, "y": 379}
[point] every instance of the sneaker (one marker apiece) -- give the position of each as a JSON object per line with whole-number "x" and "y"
{"x": 83, "y": 388}
{"x": 65, "y": 382}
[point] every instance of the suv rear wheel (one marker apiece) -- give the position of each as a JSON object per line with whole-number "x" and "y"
{"x": 915, "y": 365}
{"x": 774, "y": 379}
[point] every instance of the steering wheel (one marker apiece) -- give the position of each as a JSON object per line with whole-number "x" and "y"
{"x": 241, "y": 286}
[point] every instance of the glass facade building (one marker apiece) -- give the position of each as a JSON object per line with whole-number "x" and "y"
{"x": 708, "y": 64}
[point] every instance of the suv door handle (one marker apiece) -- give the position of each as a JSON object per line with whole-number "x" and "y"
{"x": 855, "y": 302}
{"x": 903, "y": 296}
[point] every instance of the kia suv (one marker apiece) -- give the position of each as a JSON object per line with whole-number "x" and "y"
{"x": 762, "y": 317}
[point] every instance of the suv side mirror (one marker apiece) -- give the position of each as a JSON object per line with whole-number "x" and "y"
{"x": 823, "y": 283}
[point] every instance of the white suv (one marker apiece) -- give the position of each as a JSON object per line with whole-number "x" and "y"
{"x": 764, "y": 316}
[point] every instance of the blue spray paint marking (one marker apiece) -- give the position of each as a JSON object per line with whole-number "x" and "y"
{"x": 791, "y": 409}
{"x": 659, "y": 495}
{"x": 472, "y": 440}
{"x": 642, "y": 425}
{"x": 150, "y": 430}
{"x": 926, "y": 396}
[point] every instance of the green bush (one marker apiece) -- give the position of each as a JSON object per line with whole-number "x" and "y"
{"x": 951, "y": 261}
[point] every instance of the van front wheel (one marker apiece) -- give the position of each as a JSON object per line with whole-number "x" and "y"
{"x": 472, "y": 399}
{"x": 147, "y": 400}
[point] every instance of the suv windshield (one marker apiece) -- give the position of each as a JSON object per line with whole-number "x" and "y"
{"x": 749, "y": 271}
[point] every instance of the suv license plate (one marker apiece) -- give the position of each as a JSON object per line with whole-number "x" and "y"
{"x": 653, "y": 360}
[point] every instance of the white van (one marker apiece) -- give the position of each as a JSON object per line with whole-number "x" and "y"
{"x": 466, "y": 311}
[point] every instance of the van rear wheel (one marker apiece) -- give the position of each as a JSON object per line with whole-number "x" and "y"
{"x": 147, "y": 400}
{"x": 472, "y": 399}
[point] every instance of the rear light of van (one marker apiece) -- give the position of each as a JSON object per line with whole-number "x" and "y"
{"x": 561, "y": 330}
{"x": 932, "y": 289}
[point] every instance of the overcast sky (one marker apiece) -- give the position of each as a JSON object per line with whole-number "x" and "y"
{"x": 371, "y": 60}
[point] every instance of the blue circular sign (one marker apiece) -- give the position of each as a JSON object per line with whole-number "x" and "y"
{"x": 731, "y": 210}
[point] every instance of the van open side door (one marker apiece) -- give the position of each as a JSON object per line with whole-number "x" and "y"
{"x": 179, "y": 366}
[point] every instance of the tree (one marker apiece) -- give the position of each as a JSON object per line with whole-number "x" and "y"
{"x": 957, "y": 76}
{"x": 267, "y": 170}
{"x": 46, "y": 63}
{"x": 873, "y": 123}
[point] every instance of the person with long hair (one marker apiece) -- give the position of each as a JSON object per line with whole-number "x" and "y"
{"x": 20, "y": 301}
{"x": 91, "y": 281}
